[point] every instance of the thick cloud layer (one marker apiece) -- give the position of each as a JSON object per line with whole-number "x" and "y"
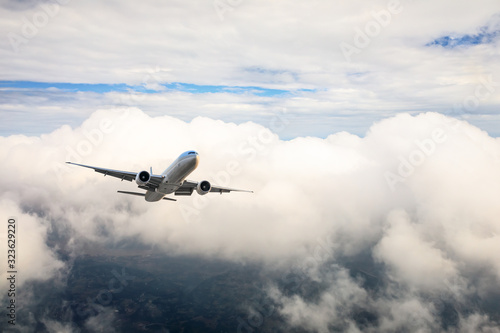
{"x": 417, "y": 197}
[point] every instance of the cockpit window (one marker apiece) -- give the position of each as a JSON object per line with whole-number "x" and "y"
{"x": 191, "y": 153}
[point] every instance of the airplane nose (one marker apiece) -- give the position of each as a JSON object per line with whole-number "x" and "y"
{"x": 197, "y": 161}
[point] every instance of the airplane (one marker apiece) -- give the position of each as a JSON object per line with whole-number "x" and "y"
{"x": 172, "y": 180}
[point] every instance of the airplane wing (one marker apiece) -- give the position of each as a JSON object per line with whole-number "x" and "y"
{"x": 123, "y": 175}
{"x": 188, "y": 186}
{"x": 142, "y": 195}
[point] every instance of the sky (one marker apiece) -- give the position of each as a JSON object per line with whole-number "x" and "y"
{"x": 332, "y": 65}
{"x": 368, "y": 131}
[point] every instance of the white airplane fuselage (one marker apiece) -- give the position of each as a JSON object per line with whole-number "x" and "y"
{"x": 174, "y": 175}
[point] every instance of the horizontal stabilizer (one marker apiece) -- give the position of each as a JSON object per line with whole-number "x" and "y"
{"x": 133, "y": 193}
{"x": 142, "y": 195}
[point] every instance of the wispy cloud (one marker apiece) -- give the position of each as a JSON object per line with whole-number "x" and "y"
{"x": 291, "y": 57}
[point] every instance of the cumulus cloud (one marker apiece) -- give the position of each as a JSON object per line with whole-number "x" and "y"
{"x": 37, "y": 260}
{"x": 103, "y": 321}
{"x": 414, "y": 260}
{"x": 392, "y": 222}
{"x": 411, "y": 206}
{"x": 333, "y": 310}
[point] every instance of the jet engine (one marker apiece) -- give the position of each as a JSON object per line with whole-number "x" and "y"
{"x": 203, "y": 187}
{"x": 142, "y": 178}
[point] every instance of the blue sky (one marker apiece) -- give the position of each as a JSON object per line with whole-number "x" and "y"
{"x": 249, "y": 62}
{"x": 484, "y": 36}
{"x": 121, "y": 87}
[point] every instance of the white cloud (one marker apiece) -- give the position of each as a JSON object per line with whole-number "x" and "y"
{"x": 432, "y": 226}
{"x": 477, "y": 323}
{"x": 33, "y": 258}
{"x": 103, "y": 321}
{"x": 316, "y": 201}
{"x": 408, "y": 315}
{"x": 279, "y": 45}
{"x": 414, "y": 260}
{"x": 333, "y": 310}
{"x": 57, "y": 327}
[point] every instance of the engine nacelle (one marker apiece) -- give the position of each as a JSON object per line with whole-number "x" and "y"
{"x": 203, "y": 187}
{"x": 142, "y": 178}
